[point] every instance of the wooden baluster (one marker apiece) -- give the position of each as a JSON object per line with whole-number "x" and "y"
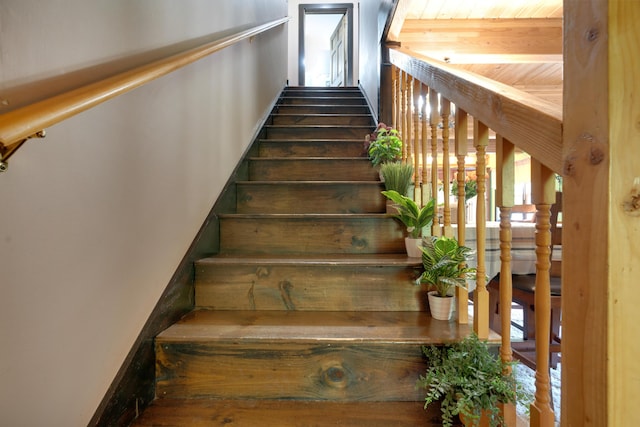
{"x": 505, "y": 177}
{"x": 405, "y": 114}
{"x": 480, "y": 295}
{"x": 461, "y": 141}
{"x": 394, "y": 104}
{"x": 445, "y": 111}
{"x": 543, "y": 195}
{"x": 426, "y": 189}
{"x": 434, "y": 120}
{"x": 417, "y": 194}
{"x": 408, "y": 135}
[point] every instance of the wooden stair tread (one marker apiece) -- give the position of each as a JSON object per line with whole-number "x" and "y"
{"x": 316, "y": 259}
{"x": 297, "y": 159}
{"x": 415, "y": 328}
{"x": 310, "y": 140}
{"x": 285, "y": 413}
{"x": 304, "y": 183}
{"x": 338, "y": 216}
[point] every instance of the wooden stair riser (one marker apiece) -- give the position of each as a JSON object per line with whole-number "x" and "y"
{"x": 310, "y": 197}
{"x": 310, "y": 234}
{"x": 322, "y": 100}
{"x": 281, "y": 119}
{"x": 311, "y": 148}
{"x": 315, "y": 92}
{"x": 320, "y": 109}
{"x": 312, "y": 288}
{"x": 312, "y": 370}
{"x": 312, "y": 169}
{"x": 317, "y": 132}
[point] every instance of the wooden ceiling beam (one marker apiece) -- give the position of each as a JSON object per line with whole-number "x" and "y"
{"x": 541, "y": 37}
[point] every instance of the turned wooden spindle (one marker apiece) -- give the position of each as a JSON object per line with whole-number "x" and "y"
{"x": 434, "y": 121}
{"x": 426, "y": 189}
{"x": 445, "y": 111}
{"x": 481, "y": 296}
{"x": 543, "y": 196}
{"x": 461, "y": 137}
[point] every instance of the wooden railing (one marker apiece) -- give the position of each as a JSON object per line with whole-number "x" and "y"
{"x": 501, "y": 118}
{"x": 19, "y": 125}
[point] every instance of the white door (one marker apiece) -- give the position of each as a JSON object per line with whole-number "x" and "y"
{"x": 339, "y": 54}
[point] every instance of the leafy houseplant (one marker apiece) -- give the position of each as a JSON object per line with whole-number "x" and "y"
{"x": 397, "y": 176}
{"x": 413, "y": 217}
{"x": 469, "y": 380}
{"x": 384, "y": 145}
{"x": 445, "y": 267}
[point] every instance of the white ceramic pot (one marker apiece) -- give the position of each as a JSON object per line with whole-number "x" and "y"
{"x": 413, "y": 247}
{"x": 440, "y": 308}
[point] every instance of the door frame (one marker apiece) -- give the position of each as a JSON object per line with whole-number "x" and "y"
{"x": 330, "y": 9}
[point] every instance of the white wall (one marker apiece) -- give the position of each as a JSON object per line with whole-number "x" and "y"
{"x": 292, "y": 71}
{"x": 95, "y": 218}
{"x": 370, "y": 52}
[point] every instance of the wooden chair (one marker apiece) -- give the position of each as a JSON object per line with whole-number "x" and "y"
{"x": 523, "y": 213}
{"x": 523, "y": 295}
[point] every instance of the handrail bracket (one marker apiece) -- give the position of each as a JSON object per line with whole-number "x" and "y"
{"x": 6, "y": 151}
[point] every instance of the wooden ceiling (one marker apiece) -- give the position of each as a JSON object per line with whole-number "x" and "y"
{"x": 515, "y": 42}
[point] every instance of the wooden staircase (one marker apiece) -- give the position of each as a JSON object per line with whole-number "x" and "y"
{"x": 308, "y": 314}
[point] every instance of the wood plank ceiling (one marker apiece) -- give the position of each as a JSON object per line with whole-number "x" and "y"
{"x": 515, "y": 42}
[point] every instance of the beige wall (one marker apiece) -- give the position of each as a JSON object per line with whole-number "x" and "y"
{"x": 95, "y": 218}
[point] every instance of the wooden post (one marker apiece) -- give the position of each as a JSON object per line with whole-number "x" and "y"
{"x": 480, "y": 295}
{"x": 461, "y": 141}
{"x": 543, "y": 194}
{"x": 595, "y": 151}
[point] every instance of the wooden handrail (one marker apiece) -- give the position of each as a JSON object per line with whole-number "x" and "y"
{"x": 533, "y": 124}
{"x": 18, "y": 125}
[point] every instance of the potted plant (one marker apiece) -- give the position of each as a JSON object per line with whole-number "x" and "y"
{"x": 445, "y": 267}
{"x": 413, "y": 217}
{"x": 383, "y": 145}
{"x": 397, "y": 176}
{"x": 469, "y": 381}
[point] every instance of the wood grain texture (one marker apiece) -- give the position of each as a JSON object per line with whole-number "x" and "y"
{"x": 318, "y": 197}
{"x": 532, "y": 124}
{"x": 312, "y": 148}
{"x": 322, "y": 100}
{"x": 520, "y": 37}
{"x": 285, "y": 413}
{"x": 367, "y": 283}
{"x": 318, "y": 131}
{"x": 586, "y": 221}
{"x": 310, "y": 234}
{"x": 321, "y": 109}
{"x": 323, "y": 119}
{"x": 347, "y": 356}
{"x": 624, "y": 223}
{"x": 312, "y": 168}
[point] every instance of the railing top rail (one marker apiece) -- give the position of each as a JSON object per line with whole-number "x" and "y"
{"x": 531, "y": 123}
{"x": 18, "y": 125}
